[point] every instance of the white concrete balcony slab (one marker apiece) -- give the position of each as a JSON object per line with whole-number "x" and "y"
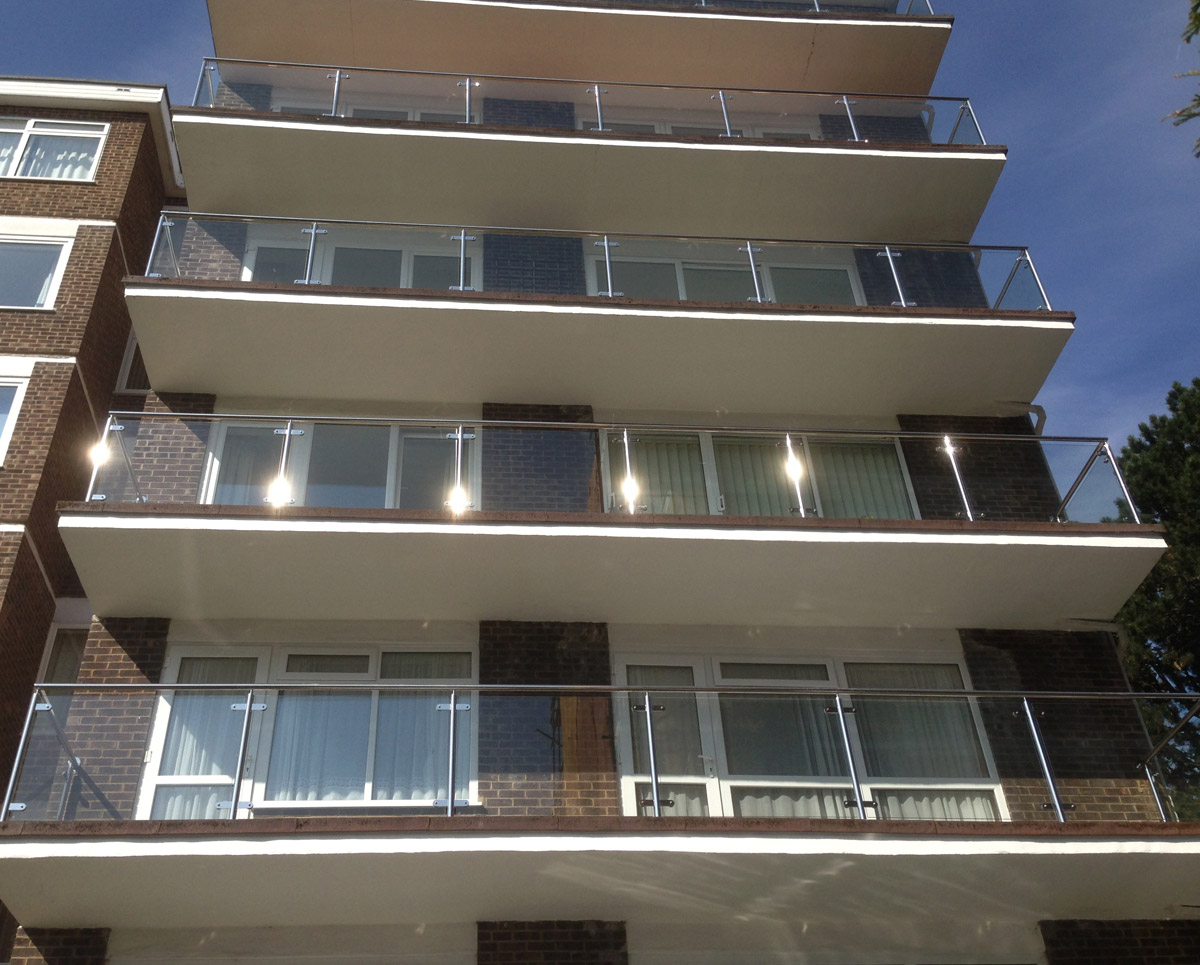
{"x": 787, "y": 46}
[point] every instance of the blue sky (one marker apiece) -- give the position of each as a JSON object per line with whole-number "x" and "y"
{"x": 1106, "y": 195}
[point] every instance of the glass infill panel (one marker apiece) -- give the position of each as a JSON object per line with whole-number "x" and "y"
{"x": 443, "y": 272}
{"x": 82, "y": 756}
{"x": 789, "y": 117}
{"x": 934, "y": 277}
{"x": 402, "y": 97}
{"x": 642, "y": 279}
{"x": 1174, "y": 767}
{"x": 412, "y": 748}
{"x": 791, "y": 802}
{"x": 858, "y": 480}
{"x": 165, "y": 460}
{"x": 247, "y": 462}
{"x": 675, "y": 799}
{"x": 541, "y": 470}
{"x": 319, "y": 746}
{"x": 796, "y": 274}
{"x": 281, "y": 265}
{"x": 367, "y": 267}
{"x": 1097, "y": 496}
{"x": 425, "y": 468}
{"x": 678, "y": 750}
{"x": 540, "y": 105}
{"x": 240, "y": 86}
{"x": 673, "y": 113}
{"x": 667, "y": 474}
{"x": 752, "y": 472}
{"x": 348, "y": 466}
{"x": 789, "y": 737}
{"x": 1009, "y": 280}
{"x": 1013, "y": 479}
{"x": 951, "y": 122}
{"x": 916, "y": 737}
{"x": 887, "y": 120}
{"x": 719, "y": 283}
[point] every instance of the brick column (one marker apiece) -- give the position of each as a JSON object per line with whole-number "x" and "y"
{"x": 551, "y": 943}
{"x": 546, "y": 755}
{"x": 60, "y": 946}
{"x": 1120, "y": 942}
{"x": 1093, "y": 746}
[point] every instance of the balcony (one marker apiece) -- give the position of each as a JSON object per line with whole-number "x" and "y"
{"x": 293, "y": 140}
{"x": 457, "y": 314}
{"x": 203, "y": 517}
{"x": 890, "y": 46}
{"x": 231, "y": 792}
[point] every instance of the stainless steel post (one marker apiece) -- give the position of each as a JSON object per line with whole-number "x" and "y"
{"x": 975, "y": 121}
{"x": 948, "y": 448}
{"x": 1012, "y": 274}
{"x": 167, "y": 226}
{"x": 95, "y": 465}
{"x": 1162, "y": 812}
{"x": 1112, "y": 461}
{"x": 337, "y": 77}
{"x": 1040, "y": 747}
{"x": 758, "y": 292}
{"x": 468, "y": 84}
{"x": 962, "y": 109}
{"x": 312, "y": 232}
{"x": 285, "y": 450}
{"x": 606, "y": 245}
{"x": 841, "y": 716}
{"x": 119, "y": 432}
{"x": 462, "y": 238}
{"x": 1037, "y": 278}
{"x": 22, "y": 746}
{"x": 150, "y": 273}
{"x": 650, "y": 754}
{"x": 722, "y": 97}
{"x": 794, "y": 470}
{"x": 450, "y": 777}
{"x": 599, "y": 108}
{"x": 891, "y": 257}
{"x": 846, "y": 102}
{"x": 236, "y": 803}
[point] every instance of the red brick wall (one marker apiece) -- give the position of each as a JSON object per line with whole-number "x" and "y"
{"x": 60, "y": 946}
{"x": 546, "y": 755}
{"x": 551, "y": 943}
{"x": 1121, "y": 942}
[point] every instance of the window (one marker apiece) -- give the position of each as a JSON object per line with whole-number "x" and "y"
{"x": 347, "y": 465}
{"x": 714, "y": 473}
{"x": 761, "y": 755}
{"x": 12, "y": 391}
{"x": 308, "y": 748}
{"x": 55, "y": 150}
{"x": 31, "y": 270}
{"x": 133, "y": 377}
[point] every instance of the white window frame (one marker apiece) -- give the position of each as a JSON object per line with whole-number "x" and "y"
{"x": 32, "y": 129}
{"x": 271, "y": 677}
{"x": 300, "y": 452}
{"x": 718, "y": 782}
{"x": 60, "y": 269}
{"x": 127, "y": 366}
{"x": 612, "y": 439}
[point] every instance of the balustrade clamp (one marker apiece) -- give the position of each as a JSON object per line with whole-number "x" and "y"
{"x": 647, "y": 802}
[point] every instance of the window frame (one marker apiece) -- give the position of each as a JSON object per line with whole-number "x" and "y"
{"x": 720, "y": 784}
{"x": 30, "y": 130}
{"x": 60, "y": 269}
{"x": 21, "y": 384}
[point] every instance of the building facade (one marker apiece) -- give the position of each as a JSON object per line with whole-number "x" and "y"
{"x": 584, "y": 504}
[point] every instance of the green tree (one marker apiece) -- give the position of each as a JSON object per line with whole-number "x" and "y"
{"x": 1162, "y": 468}
{"x": 1193, "y": 109}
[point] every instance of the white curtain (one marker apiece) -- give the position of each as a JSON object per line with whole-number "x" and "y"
{"x": 687, "y": 800}
{"x": 249, "y": 462}
{"x": 753, "y": 477}
{"x": 915, "y": 737}
{"x": 203, "y": 734}
{"x": 858, "y": 480}
{"x": 784, "y": 737}
{"x": 58, "y": 156}
{"x": 8, "y": 145}
{"x": 791, "y": 802}
{"x": 192, "y": 803}
{"x": 677, "y": 747}
{"x": 934, "y": 805}
{"x": 669, "y": 471}
{"x": 319, "y": 746}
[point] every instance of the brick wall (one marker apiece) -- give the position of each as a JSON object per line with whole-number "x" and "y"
{"x": 1121, "y": 942}
{"x": 509, "y": 112}
{"x": 1005, "y": 481}
{"x": 551, "y": 943}
{"x": 542, "y": 264}
{"x": 936, "y": 279}
{"x": 60, "y": 946}
{"x": 207, "y": 249}
{"x": 552, "y": 470}
{"x": 1093, "y": 746}
{"x": 546, "y": 755}
{"x": 893, "y": 130}
{"x": 243, "y": 97}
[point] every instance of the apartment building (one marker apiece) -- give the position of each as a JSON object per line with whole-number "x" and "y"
{"x": 586, "y": 505}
